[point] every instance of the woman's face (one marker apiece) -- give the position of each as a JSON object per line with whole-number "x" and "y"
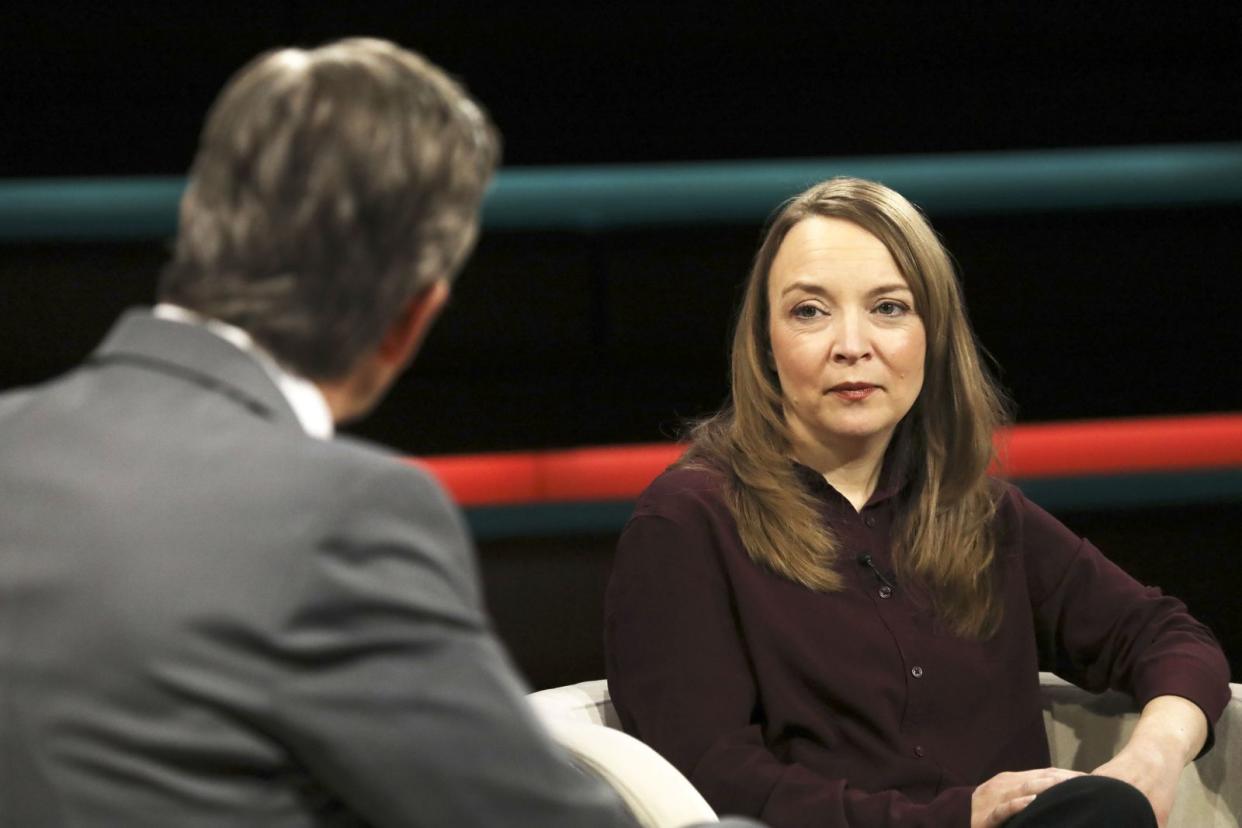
{"x": 847, "y": 342}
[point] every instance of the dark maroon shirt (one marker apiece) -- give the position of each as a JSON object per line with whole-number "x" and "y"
{"x": 857, "y": 708}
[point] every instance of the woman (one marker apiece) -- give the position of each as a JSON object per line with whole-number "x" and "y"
{"x": 828, "y": 614}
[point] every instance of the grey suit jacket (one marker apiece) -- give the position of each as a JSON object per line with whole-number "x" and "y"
{"x": 209, "y": 618}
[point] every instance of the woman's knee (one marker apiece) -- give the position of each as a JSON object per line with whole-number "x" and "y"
{"x": 1088, "y": 801}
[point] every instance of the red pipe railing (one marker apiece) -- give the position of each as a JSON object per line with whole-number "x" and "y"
{"x": 1037, "y": 450}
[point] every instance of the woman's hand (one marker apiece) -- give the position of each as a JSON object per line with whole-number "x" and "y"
{"x": 1005, "y": 794}
{"x": 1169, "y": 734}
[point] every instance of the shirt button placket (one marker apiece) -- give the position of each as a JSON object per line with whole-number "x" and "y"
{"x": 919, "y": 750}
{"x": 885, "y": 591}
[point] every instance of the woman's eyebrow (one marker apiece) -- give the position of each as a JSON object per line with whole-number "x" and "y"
{"x": 808, "y": 287}
{"x": 818, "y": 290}
{"x": 895, "y": 287}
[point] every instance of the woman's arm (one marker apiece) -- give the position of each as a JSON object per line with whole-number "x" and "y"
{"x": 1102, "y": 629}
{"x": 1170, "y": 733}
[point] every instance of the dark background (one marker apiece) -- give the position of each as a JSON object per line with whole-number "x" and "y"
{"x": 565, "y": 338}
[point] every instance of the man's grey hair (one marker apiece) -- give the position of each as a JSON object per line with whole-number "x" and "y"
{"x": 331, "y": 185}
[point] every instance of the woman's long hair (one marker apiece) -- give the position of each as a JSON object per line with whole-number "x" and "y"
{"x": 943, "y": 541}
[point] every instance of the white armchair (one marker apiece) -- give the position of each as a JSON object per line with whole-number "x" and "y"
{"x": 581, "y": 718}
{"x": 1084, "y": 730}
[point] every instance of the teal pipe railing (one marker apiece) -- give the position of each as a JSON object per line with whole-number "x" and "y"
{"x": 602, "y": 197}
{"x": 1141, "y": 490}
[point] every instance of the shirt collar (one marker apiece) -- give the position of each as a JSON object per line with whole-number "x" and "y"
{"x": 303, "y": 396}
{"x": 894, "y": 476}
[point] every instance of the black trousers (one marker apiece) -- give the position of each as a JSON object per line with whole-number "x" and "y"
{"x": 1087, "y": 802}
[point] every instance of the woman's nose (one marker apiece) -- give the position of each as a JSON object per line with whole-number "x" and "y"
{"x": 851, "y": 343}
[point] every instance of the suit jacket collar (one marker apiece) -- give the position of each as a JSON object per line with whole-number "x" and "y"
{"x": 198, "y": 356}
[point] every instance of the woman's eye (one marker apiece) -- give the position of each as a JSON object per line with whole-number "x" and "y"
{"x": 890, "y": 308}
{"x": 806, "y": 312}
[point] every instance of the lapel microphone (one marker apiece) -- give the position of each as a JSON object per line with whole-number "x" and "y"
{"x": 865, "y": 560}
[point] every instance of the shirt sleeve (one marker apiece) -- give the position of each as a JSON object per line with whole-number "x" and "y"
{"x": 679, "y": 675}
{"x": 397, "y": 698}
{"x": 1101, "y": 629}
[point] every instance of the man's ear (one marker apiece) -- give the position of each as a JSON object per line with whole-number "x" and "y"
{"x": 408, "y": 330}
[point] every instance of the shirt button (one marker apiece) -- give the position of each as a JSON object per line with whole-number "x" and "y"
{"x": 870, "y": 521}
{"x": 918, "y": 751}
{"x": 916, "y": 671}
{"x": 886, "y": 592}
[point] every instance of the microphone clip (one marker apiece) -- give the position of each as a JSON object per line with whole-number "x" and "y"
{"x": 864, "y": 559}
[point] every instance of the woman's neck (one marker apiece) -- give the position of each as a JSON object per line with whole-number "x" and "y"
{"x": 855, "y": 481}
{"x": 852, "y": 470}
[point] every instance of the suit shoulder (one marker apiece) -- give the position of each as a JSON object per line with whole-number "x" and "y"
{"x": 364, "y": 459}
{"x": 360, "y": 493}
{"x": 385, "y": 504}
{"x": 380, "y": 474}
{"x": 346, "y": 450}
{"x": 11, "y": 401}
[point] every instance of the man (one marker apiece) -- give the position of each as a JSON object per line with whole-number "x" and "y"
{"x": 211, "y": 613}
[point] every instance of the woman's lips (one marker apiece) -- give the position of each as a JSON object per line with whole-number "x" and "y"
{"x": 853, "y": 391}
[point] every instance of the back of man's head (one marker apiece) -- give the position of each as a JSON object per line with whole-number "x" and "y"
{"x": 330, "y": 187}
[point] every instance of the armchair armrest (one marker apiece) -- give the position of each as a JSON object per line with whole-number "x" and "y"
{"x": 1085, "y": 730}
{"x": 581, "y": 718}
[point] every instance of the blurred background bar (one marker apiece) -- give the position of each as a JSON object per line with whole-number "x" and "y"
{"x": 1119, "y": 464}
{"x": 596, "y": 198}
{"x": 743, "y": 192}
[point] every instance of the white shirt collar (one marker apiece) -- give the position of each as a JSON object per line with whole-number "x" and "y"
{"x": 303, "y": 396}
